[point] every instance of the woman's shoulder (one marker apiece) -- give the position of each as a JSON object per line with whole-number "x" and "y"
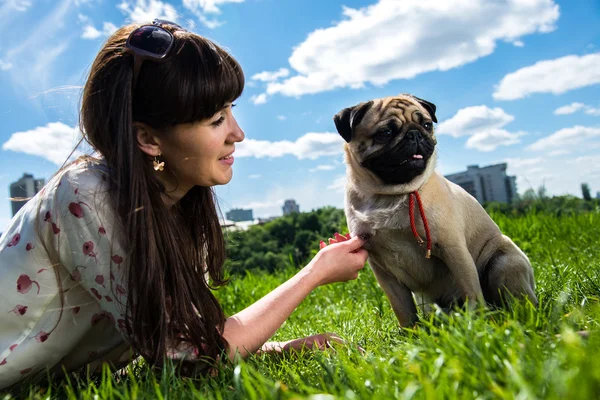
{"x": 86, "y": 174}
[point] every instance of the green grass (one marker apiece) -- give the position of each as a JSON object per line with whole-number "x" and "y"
{"x": 485, "y": 354}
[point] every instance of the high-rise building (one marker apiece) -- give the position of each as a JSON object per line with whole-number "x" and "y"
{"x": 25, "y": 188}
{"x": 487, "y": 183}
{"x": 239, "y": 214}
{"x": 290, "y": 206}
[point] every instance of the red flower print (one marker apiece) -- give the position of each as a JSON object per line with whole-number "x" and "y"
{"x": 42, "y": 337}
{"x": 108, "y": 299}
{"x": 76, "y": 190}
{"x": 24, "y": 284}
{"x": 42, "y": 270}
{"x": 48, "y": 217}
{"x": 76, "y": 210}
{"x": 98, "y": 295}
{"x": 55, "y": 228}
{"x": 15, "y": 240}
{"x": 88, "y": 250}
{"x": 76, "y": 275}
{"x": 117, "y": 259}
{"x": 100, "y": 280}
{"x": 29, "y": 246}
{"x": 101, "y": 230}
{"x": 14, "y": 346}
{"x": 19, "y": 309}
{"x": 121, "y": 324}
{"x": 99, "y": 317}
{"x": 112, "y": 276}
{"x": 121, "y": 290}
{"x": 26, "y": 370}
{"x": 76, "y": 310}
{"x": 3, "y": 362}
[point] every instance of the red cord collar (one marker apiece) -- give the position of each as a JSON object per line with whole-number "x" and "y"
{"x": 411, "y": 210}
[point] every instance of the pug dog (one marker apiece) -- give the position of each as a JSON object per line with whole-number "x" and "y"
{"x": 450, "y": 253}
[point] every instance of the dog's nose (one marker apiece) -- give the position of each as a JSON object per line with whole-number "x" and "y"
{"x": 414, "y": 134}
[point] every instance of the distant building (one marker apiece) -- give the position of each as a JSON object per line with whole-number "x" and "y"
{"x": 290, "y": 207}
{"x": 239, "y": 214}
{"x": 487, "y": 183}
{"x": 598, "y": 195}
{"x": 25, "y": 188}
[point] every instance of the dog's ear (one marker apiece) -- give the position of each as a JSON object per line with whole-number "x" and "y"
{"x": 430, "y": 107}
{"x": 349, "y": 118}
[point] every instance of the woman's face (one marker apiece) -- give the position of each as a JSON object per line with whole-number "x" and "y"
{"x": 200, "y": 153}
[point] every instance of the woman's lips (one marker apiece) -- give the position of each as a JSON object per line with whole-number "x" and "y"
{"x": 227, "y": 160}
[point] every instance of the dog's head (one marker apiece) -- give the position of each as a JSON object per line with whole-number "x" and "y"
{"x": 392, "y": 137}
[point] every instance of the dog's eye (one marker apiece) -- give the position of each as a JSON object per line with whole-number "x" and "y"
{"x": 428, "y": 125}
{"x": 384, "y": 135}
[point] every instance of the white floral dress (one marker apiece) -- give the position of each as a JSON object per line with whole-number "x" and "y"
{"x": 37, "y": 333}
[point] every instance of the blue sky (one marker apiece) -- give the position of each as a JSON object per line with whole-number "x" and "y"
{"x": 513, "y": 80}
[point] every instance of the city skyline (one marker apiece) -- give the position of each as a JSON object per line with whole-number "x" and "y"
{"x": 513, "y": 81}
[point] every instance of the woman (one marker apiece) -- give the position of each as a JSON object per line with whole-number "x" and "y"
{"x": 119, "y": 252}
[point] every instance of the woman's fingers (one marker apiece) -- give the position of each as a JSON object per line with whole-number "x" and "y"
{"x": 337, "y": 238}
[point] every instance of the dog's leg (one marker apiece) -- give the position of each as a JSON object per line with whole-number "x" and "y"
{"x": 398, "y": 294}
{"x": 461, "y": 265}
{"x": 508, "y": 272}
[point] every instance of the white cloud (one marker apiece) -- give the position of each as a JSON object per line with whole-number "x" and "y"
{"x": 523, "y": 162}
{"x": 202, "y": 7}
{"x": 550, "y": 76}
{"x": 141, "y": 11}
{"x": 32, "y": 70}
{"x": 402, "y": 39}
{"x": 569, "y": 109}
{"x": 325, "y": 167}
{"x": 259, "y": 99}
{"x": 339, "y": 184}
{"x": 5, "y": 66}
{"x": 566, "y": 137}
{"x": 574, "y": 107}
{"x": 490, "y": 139}
{"x": 54, "y": 142}
{"x": 559, "y": 175}
{"x": 483, "y": 125}
{"x": 281, "y": 117}
{"x": 254, "y": 176}
{"x": 208, "y": 6}
{"x": 595, "y": 111}
{"x": 312, "y": 145}
{"x": 471, "y": 120}
{"x": 555, "y": 153}
{"x": 14, "y": 5}
{"x": 267, "y": 76}
{"x": 90, "y": 32}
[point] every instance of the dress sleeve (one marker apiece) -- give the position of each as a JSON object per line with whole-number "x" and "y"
{"x": 85, "y": 231}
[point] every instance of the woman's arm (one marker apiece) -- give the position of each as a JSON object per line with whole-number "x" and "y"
{"x": 249, "y": 329}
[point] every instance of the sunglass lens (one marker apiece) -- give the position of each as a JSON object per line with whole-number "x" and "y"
{"x": 152, "y": 39}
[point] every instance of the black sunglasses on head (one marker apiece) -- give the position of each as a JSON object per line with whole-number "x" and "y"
{"x": 150, "y": 42}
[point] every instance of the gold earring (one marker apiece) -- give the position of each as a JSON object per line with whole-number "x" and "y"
{"x": 158, "y": 165}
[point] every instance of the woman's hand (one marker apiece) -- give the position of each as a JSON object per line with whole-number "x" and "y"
{"x": 339, "y": 262}
{"x": 321, "y": 341}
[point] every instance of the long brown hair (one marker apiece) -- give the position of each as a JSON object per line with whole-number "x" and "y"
{"x": 170, "y": 248}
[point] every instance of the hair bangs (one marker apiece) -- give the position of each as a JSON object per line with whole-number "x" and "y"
{"x": 197, "y": 82}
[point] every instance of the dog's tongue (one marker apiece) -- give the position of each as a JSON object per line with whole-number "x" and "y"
{"x": 417, "y": 156}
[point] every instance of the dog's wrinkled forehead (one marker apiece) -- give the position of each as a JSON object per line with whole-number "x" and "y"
{"x": 405, "y": 108}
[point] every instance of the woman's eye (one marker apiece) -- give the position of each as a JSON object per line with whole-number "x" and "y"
{"x": 219, "y": 121}
{"x": 428, "y": 125}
